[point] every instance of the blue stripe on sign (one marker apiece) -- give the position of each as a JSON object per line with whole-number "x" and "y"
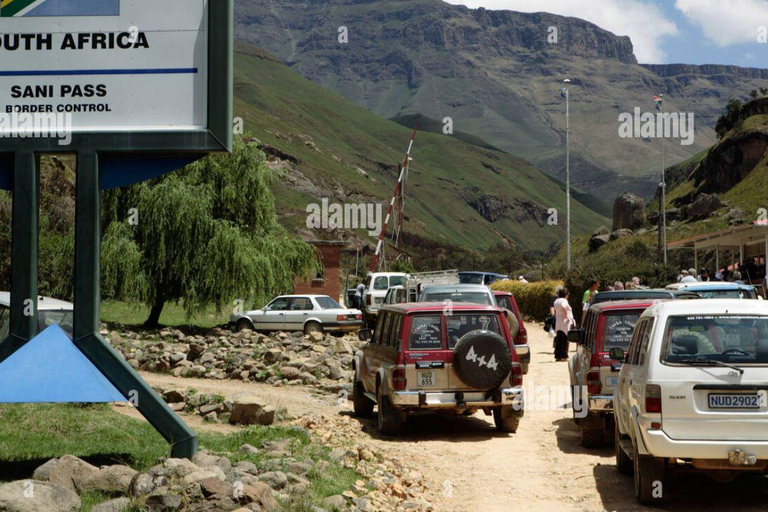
{"x": 76, "y": 72}
{"x": 77, "y": 8}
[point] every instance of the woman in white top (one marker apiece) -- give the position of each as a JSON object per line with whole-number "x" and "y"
{"x": 563, "y": 323}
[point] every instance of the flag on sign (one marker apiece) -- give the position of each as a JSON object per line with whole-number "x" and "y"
{"x": 15, "y": 8}
{"x": 658, "y": 100}
{"x": 564, "y": 92}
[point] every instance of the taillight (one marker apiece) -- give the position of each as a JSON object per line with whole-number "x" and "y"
{"x": 594, "y": 387}
{"x": 341, "y": 317}
{"x": 398, "y": 379}
{"x": 516, "y": 375}
{"x": 523, "y": 337}
{"x": 368, "y": 299}
{"x": 653, "y": 398}
{"x": 359, "y": 317}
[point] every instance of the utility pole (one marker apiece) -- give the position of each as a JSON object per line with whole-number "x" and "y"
{"x": 567, "y": 95}
{"x": 662, "y": 195}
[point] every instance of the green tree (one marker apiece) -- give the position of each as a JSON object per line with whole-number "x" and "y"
{"x": 202, "y": 236}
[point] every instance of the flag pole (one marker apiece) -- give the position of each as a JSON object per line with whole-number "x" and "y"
{"x": 663, "y": 205}
{"x": 568, "y": 172}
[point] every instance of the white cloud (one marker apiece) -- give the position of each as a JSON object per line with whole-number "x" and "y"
{"x": 644, "y": 22}
{"x": 726, "y": 22}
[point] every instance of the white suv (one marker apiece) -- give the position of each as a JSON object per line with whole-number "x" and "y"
{"x": 693, "y": 393}
{"x": 376, "y": 286}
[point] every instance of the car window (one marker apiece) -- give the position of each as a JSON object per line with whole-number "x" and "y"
{"x": 385, "y": 326}
{"x": 504, "y": 302}
{"x": 63, "y": 319}
{"x": 634, "y": 343}
{"x": 394, "y": 330}
{"x": 727, "y": 294}
{"x": 379, "y": 327}
{"x": 458, "y": 325}
{"x": 618, "y": 329}
{"x": 426, "y": 332}
{"x": 381, "y": 283}
{"x": 589, "y": 330}
{"x": 279, "y": 304}
{"x": 734, "y": 339}
{"x": 471, "y": 278}
{"x": 470, "y": 297}
{"x": 645, "y": 340}
{"x": 327, "y": 303}
{"x": 3, "y": 318}
{"x": 397, "y": 330}
{"x": 301, "y": 304}
{"x": 396, "y": 280}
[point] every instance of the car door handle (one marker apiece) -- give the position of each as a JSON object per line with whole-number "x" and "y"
{"x": 306, "y": 314}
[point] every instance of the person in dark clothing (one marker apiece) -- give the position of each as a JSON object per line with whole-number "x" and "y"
{"x": 563, "y": 322}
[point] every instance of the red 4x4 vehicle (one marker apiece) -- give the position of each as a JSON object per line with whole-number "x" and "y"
{"x": 433, "y": 356}
{"x": 594, "y": 374}
{"x": 506, "y": 300}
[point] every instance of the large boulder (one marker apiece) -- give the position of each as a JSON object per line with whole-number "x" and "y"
{"x": 628, "y": 212}
{"x": 620, "y": 233}
{"x": 37, "y": 496}
{"x": 597, "y": 241}
{"x": 251, "y": 410}
{"x": 704, "y": 206}
{"x": 110, "y": 480}
{"x": 70, "y": 472}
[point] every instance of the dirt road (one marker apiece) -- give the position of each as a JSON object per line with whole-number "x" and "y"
{"x": 469, "y": 466}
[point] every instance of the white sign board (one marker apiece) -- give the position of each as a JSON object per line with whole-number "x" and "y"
{"x": 112, "y": 65}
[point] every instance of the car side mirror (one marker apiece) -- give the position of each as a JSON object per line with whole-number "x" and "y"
{"x": 576, "y": 336}
{"x": 616, "y": 353}
{"x": 365, "y": 334}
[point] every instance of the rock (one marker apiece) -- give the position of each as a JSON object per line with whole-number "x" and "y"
{"x": 602, "y": 230}
{"x": 70, "y": 472}
{"x": 179, "y": 468}
{"x": 704, "y": 206}
{"x": 116, "y": 505}
{"x": 213, "y": 486}
{"x": 173, "y": 396}
{"x": 260, "y": 495}
{"x": 320, "y": 349}
{"x": 249, "y": 467}
{"x": 204, "y": 459}
{"x": 37, "y": 496}
{"x": 42, "y": 472}
{"x": 209, "y": 472}
{"x": 628, "y": 212}
{"x": 275, "y": 479}
{"x": 144, "y": 483}
{"x": 211, "y": 417}
{"x": 316, "y": 337}
{"x": 342, "y": 346}
{"x": 162, "y": 503}
{"x": 110, "y": 479}
{"x": 335, "y": 502}
{"x": 207, "y": 358}
{"x": 251, "y": 410}
{"x": 272, "y": 356}
{"x": 596, "y": 242}
{"x": 209, "y": 408}
{"x": 620, "y": 233}
{"x": 290, "y": 373}
{"x": 247, "y": 448}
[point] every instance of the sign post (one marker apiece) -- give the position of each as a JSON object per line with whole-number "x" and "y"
{"x": 135, "y": 89}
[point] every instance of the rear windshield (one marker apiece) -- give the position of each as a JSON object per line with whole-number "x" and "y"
{"x": 327, "y": 303}
{"x": 733, "y": 339}
{"x": 471, "y": 278}
{"x": 63, "y": 319}
{"x": 618, "y": 329}
{"x": 471, "y": 297}
{"x": 426, "y": 333}
{"x": 727, "y": 294}
{"x": 458, "y": 325}
{"x": 380, "y": 283}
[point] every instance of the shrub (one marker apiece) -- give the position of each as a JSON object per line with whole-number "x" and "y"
{"x": 532, "y": 298}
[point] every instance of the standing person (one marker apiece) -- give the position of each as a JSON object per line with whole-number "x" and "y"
{"x": 687, "y": 277}
{"x": 737, "y": 278}
{"x": 359, "y": 296}
{"x": 636, "y": 284}
{"x": 551, "y": 317}
{"x": 618, "y": 285}
{"x": 563, "y": 323}
{"x": 704, "y": 275}
{"x": 587, "y": 298}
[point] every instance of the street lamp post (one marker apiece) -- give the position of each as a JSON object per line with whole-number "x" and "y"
{"x": 567, "y": 95}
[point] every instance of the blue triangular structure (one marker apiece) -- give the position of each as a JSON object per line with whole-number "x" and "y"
{"x": 50, "y": 369}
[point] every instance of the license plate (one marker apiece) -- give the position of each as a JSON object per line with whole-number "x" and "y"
{"x": 733, "y": 401}
{"x": 426, "y": 379}
{"x": 611, "y": 381}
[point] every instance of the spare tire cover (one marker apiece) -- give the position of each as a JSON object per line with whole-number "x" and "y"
{"x": 482, "y": 359}
{"x": 514, "y": 325}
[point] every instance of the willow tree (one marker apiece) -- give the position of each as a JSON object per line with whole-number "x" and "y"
{"x": 202, "y": 236}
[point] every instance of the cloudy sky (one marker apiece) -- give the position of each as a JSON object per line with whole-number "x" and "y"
{"x": 668, "y": 31}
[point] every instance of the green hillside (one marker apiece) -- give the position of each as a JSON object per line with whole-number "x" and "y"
{"x": 327, "y": 146}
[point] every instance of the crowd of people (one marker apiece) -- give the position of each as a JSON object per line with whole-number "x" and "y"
{"x": 748, "y": 272}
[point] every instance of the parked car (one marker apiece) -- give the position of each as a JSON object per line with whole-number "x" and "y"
{"x": 717, "y": 290}
{"x": 593, "y": 373}
{"x": 507, "y": 301}
{"x": 50, "y": 311}
{"x": 376, "y": 286}
{"x": 486, "y": 278}
{"x": 396, "y": 295}
{"x": 416, "y": 283}
{"x": 692, "y": 393}
{"x": 308, "y": 313}
{"x": 472, "y": 293}
{"x": 647, "y": 293}
{"x": 420, "y": 359}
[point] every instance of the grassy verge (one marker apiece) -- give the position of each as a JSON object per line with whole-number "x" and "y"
{"x": 30, "y": 434}
{"x": 134, "y": 314}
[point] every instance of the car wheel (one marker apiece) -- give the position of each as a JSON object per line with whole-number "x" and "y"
{"x": 649, "y": 479}
{"x": 623, "y": 462}
{"x": 311, "y": 327}
{"x": 574, "y": 391}
{"x": 387, "y": 425}
{"x": 506, "y": 419}
{"x": 591, "y": 431}
{"x": 243, "y": 325}
{"x": 363, "y": 405}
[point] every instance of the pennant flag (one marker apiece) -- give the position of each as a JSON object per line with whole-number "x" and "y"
{"x": 15, "y": 8}
{"x": 658, "y": 101}
{"x": 564, "y": 92}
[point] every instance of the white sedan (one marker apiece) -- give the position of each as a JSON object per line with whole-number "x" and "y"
{"x": 308, "y": 313}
